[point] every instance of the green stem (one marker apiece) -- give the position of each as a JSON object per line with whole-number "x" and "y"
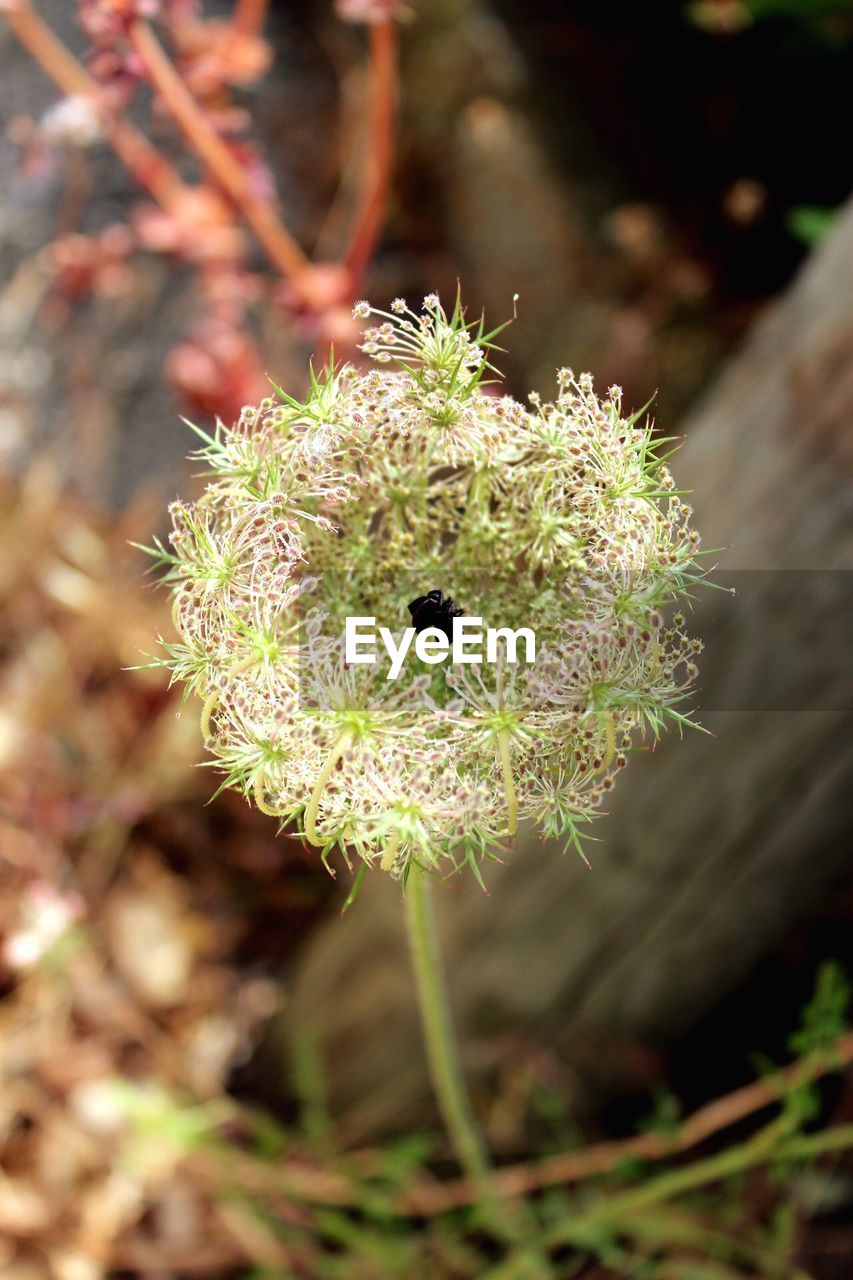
{"x": 768, "y": 1145}
{"x": 809, "y": 1145}
{"x": 311, "y": 832}
{"x": 509, "y": 1225}
{"x": 442, "y": 1057}
{"x": 509, "y": 785}
{"x": 391, "y": 850}
{"x": 675, "y": 1182}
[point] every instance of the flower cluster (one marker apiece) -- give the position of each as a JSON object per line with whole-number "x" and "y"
{"x": 384, "y": 484}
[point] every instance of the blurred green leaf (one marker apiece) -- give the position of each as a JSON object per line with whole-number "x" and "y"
{"x": 665, "y": 1115}
{"x": 824, "y": 1019}
{"x": 803, "y": 9}
{"x": 810, "y": 223}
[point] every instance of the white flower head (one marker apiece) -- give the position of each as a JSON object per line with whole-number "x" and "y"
{"x": 384, "y": 485}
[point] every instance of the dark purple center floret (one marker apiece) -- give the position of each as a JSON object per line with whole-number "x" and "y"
{"x": 434, "y": 610}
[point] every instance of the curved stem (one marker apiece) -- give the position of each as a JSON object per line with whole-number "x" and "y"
{"x": 217, "y": 157}
{"x": 260, "y": 791}
{"x": 323, "y": 777}
{"x": 442, "y": 1057}
{"x": 206, "y": 712}
{"x": 390, "y": 853}
{"x": 509, "y": 784}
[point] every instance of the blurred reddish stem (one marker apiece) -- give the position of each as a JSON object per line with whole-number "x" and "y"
{"x": 165, "y": 185}
{"x": 281, "y": 248}
{"x": 323, "y": 1185}
{"x": 601, "y": 1158}
{"x": 373, "y": 199}
{"x": 249, "y": 15}
{"x": 149, "y": 168}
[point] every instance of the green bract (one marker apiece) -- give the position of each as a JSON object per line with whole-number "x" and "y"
{"x": 383, "y": 485}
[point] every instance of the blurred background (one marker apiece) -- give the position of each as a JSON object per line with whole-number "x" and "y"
{"x": 191, "y": 197}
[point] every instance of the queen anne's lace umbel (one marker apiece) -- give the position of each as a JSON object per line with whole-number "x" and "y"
{"x": 382, "y": 485}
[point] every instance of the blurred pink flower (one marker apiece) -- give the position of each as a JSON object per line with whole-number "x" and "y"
{"x": 105, "y": 21}
{"x": 46, "y": 914}
{"x": 371, "y": 11}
